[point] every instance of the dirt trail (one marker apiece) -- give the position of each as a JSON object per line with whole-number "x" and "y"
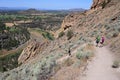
{"x": 100, "y": 67}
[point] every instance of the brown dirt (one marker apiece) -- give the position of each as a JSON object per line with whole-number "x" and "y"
{"x": 100, "y": 68}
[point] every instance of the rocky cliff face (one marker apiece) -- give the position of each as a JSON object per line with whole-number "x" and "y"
{"x": 84, "y": 19}
{"x": 31, "y": 50}
{"x": 103, "y": 3}
{"x": 99, "y": 3}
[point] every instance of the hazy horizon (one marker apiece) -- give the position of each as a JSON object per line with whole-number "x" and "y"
{"x": 47, "y": 4}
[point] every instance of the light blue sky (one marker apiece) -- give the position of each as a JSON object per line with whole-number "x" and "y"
{"x": 47, "y": 4}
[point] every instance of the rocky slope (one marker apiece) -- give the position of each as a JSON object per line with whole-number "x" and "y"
{"x": 103, "y": 3}
{"x": 31, "y": 50}
{"x": 85, "y": 27}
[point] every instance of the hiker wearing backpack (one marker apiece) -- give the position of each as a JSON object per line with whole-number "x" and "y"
{"x": 102, "y": 41}
{"x": 97, "y": 40}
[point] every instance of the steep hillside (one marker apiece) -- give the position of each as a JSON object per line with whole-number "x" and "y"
{"x": 12, "y": 37}
{"x": 12, "y": 40}
{"x": 93, "y": 22}
{"x": 78, "y": 32}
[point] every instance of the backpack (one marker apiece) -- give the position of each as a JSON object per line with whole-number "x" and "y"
{"x": 98, "y": 38}
{"x": 103, "y": 39}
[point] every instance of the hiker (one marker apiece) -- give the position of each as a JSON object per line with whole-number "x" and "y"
{"x": 69, "y": 51}
{"x": 97, "y": 40}
{"x": 102, "y": 41}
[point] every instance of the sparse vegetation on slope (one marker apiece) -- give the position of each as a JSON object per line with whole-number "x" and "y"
{"x": 47, "y": 35}
{"x": 61, "y": 34}
{"x": 44, "y": 33}
{"x": 9, "y": 61}
{"x": 12, "y": 36}
{"x": 84, "y": 55}
{"x": 70, "y": 34}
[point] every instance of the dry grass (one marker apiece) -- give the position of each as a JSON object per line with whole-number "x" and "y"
{"x": 68, "y": 62}
{"x": 66, "y": 73}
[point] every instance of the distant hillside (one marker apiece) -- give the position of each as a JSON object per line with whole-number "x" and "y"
{"x": 30, "y": 11}
{"x": 77, "y": 9}
{"x": 38, "y": 11}
{"x": 24, "y": 10}
{"x": 12, "y": 8}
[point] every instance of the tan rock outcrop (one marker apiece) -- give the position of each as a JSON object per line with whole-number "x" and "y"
{"x": 103, "y": 3}
{"x": 31, "y": 50}
{"x": 70, "y": 22}
{"x": 99, "y": 3}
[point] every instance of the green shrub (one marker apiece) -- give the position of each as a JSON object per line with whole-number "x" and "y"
{"x": 8, "y": 28}
{"x": 80, "y": 55}
{"x": 44, "y": 33}
{"x": 47, "y": 35}
{"x": 61, "y": 34}
{"x": 13, "y": 29}
{"x": 115, "y": 64}
{"x": 84, "y": 55}
{"x": 69, "y": 34}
